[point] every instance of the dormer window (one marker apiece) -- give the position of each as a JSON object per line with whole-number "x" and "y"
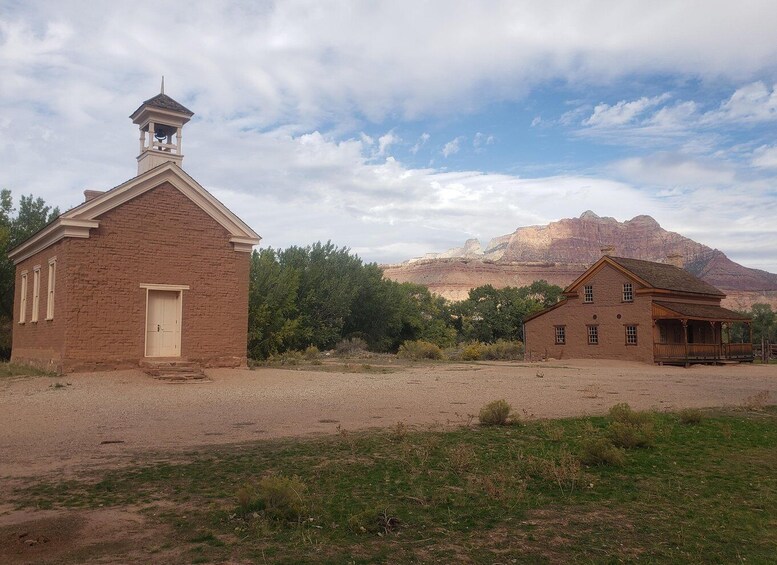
{"x": 628, "y": 292}
{"x": 588, "y": 293}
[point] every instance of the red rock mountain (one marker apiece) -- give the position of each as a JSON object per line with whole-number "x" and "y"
{"x": 561, "y": 251}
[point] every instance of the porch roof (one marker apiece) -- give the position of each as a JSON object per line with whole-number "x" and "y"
{"x": 698, "y": 312}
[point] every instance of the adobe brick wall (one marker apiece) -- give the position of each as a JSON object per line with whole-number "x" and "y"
{"x": 40, "y": 343}
{"x": 159, "y": 237}
{"x": 604, "y": 312}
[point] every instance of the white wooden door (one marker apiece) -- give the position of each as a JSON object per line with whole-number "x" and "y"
{"x": 163, "y": 324}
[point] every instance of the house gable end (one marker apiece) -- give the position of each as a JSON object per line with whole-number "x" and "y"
{"x": 78, "y": 221}
{"x": 594, "y": 269}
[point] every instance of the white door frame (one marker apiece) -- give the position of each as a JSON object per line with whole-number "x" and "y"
{"x": 170, "y": 288}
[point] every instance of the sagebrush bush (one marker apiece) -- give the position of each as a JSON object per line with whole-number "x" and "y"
{"x": 629, "y": 436}
{"x": 419, "y": 350}
{"x": 275, "y": 497}
{"x": 503, "y": 350}
{"x": 311, "y": 353}
{"x": 291, "y": 357}
{"x": 471, "y": 351}
{"x": 623, "y": 413}
{"x": 690, "y": 416}
{"x": 601, "y": 451}
{"x": 351, "y": 346}
{"x": 495, "y": 413}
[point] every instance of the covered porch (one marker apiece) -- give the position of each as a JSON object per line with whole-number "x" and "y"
{"x": 686, "y": 333}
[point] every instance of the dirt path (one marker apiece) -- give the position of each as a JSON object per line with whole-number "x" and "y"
{"x": 103, "y": 419}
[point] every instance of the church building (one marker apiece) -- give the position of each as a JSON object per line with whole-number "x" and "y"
{"x": 153, "y": 269}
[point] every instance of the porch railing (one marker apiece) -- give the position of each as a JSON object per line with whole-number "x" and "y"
{"x": 700, "y": 352}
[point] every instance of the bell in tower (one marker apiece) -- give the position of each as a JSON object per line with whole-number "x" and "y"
{"x": 160, "y": 120}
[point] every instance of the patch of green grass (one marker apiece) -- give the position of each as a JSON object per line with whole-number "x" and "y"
{"x": 702, "y": 493}
{"x": 14, "y": 370}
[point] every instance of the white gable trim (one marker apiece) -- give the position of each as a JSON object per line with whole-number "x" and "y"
{"x": 79, "y": 220}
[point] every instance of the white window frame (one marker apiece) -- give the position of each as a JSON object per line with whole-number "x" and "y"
{"x": 52, "y": 281}
{"x": 588, "y": 294}
{"x": 628, "y": 292}
{"x": 23, "y": 298}
{"x": 35, "y": 293}
{"x": 631, "y": 336}
{"x": 593, "y": 334}
{"x": 561, "y": 335}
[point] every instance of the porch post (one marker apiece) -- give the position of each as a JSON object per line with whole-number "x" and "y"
{"x": 685, "y": 339}
{"x": 719, "y": 336}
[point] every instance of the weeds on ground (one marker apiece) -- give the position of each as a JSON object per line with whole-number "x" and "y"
{"x": 690, "y": 416}
{"x": 707, "y": 493}
{"x": 500, "y": 350}
{"x": 277, "y": 498}
{"x": 418, "y": 350}
{"x": 15, "y": 370}
{"x": 495, "y": 413}
{"x": 757, "y": 402}
{"x": 601, "y": 451}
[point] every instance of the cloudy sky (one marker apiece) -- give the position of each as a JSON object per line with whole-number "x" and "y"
{"x": 397, "y": 127}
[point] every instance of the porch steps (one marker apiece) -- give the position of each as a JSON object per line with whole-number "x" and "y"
{"x": 173, "y": 370}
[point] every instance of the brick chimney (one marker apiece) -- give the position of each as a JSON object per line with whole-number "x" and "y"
{"x": 676, "y": 259}
{"x": 608, "y": 250}
{"x": 92, "y": 194}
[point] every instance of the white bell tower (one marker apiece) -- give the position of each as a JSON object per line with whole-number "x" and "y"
{"x": 160, "y": 120}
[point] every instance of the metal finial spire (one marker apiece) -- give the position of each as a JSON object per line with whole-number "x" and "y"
{"x": 162, "y": 90}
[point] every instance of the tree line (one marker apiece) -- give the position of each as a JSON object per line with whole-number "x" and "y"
{"x": 321, "y": 294}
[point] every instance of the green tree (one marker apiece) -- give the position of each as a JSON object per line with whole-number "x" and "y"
{"x": 33, "y": 215}
{"x": 764, "y": 323}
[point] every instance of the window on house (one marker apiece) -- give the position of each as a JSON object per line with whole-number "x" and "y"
{"x": 23, "y": 301}
{"x": 52, "y": 283}
{"x": 631, "y": 335}
{"x": 35, "y": 293}
{"x": 628, "y": 292}
{"x": 561, "y": 335}
{"x": 588, "y": 293}
{"x": 593, "y": 335}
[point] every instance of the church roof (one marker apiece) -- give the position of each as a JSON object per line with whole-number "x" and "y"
{"x": 164, "y": 102}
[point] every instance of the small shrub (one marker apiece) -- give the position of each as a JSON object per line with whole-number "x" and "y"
{"x": 624, "y": 414}
{"x": 419, "y": 350}
{"x": 563, "y": 469}
{"x": 351, "y": 347}
{"x": 311, "y": 353}
{"x": 276, "y": 497}
{"x": 461, "y": 457}
{"x": 691, "y": 416}
{"x": 472, "y": 351}
{"x": 291, "y": 357}
{"x": 494, "y": 413}
{"x": 600, "y": 451}
{"x": 503, "y": 350}
{"x": 629, "y": 436}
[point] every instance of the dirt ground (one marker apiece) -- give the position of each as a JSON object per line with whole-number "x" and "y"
{"x": 61, "y": 424}
{"x": 55, "y": 427}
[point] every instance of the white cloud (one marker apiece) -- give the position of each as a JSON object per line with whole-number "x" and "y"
{"x": 765, "y": 157}
{"x": 622, "y": 113}
{"x": 452, "y": 147}
{"x": 424, "y": 137}
{"x": 386, "y": 141}
{"x": 481, "y": 139}
{"x": 754, "y": 102}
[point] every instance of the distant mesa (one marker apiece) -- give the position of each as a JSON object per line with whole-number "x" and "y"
{"x": 560, "y": 251}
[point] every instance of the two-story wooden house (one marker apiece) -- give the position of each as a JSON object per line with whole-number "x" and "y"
{"x": 639, "y": 311}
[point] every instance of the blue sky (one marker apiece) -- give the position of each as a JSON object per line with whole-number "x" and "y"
{"x": 401, "y": 128}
